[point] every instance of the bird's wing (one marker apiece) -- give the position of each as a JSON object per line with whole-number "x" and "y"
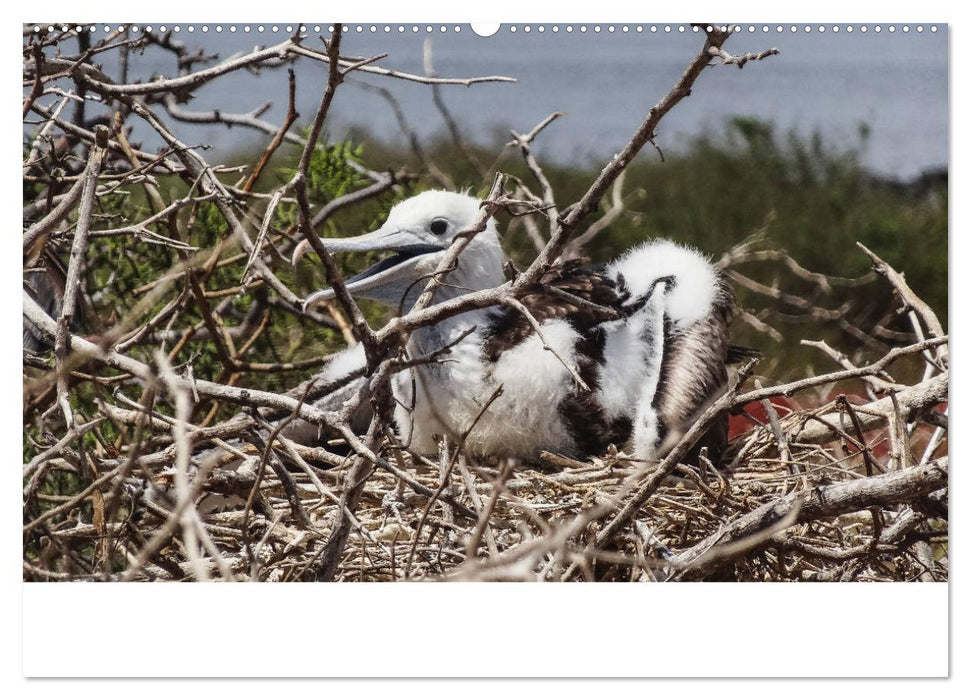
{"x": 694, "y": 370}
{"x": 330, "y": 389}
{"x": 571, "y": 291}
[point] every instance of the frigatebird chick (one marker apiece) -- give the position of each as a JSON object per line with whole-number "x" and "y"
{"x": 646, "y": 334}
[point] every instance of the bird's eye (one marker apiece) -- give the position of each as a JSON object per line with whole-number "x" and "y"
{"x": 439, "y": 226}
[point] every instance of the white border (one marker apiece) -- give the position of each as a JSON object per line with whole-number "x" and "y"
{"x": 859, "y": 617}
{"x": 471, "y": 630}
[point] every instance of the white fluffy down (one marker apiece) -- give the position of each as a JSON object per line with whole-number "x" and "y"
{"x": 344, "y": 363}
{"x": 692, "y": 296}
{"x": 521, "y": 421}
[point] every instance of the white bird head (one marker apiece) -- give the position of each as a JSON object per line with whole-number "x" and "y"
{"x": 418, "y": 232}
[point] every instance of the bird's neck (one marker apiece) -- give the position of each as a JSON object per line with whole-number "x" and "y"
{"x": 480, "y": 267}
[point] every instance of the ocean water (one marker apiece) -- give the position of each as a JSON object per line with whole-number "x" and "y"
{"x": 894, "y": 83}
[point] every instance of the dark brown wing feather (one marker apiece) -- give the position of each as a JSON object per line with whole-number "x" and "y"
{"x": 551, "y": 300}
{"x": 694, "y": 371}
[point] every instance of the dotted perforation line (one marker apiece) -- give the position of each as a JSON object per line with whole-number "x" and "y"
{"x": 512, "y": 28}
{"x": 751, "y": 28}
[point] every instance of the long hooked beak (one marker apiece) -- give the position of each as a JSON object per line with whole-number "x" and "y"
{"x": 407, "y": 246}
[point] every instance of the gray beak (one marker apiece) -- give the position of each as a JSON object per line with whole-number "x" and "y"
{"x": 380, "y": 280}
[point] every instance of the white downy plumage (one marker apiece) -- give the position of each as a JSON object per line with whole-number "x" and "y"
{"x": 649, "y": 366}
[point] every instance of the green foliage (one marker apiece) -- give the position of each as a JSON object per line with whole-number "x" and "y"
{"x": 330, "y": 175}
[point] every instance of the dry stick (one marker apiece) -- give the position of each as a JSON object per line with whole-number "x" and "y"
{"x": 878, "y": 383}
{"x": 872, "y": 369}
{"x": 837, "y": 316}
{"x": 902, "y": 525}
{"x": 334, "y": 77}
{"x": 264, "y": 230}
{"x": 935, "y": 440}
{"x": 98, "y": 82}
{"x": 537, "y": 548}
{"x": 56, "y": 215}
{"x": 376, "y": 70}
{"x": 447, "y": 476}
{"x": 73, "y": 433}
{"x": 673, "y": 458}
{"x": 795, "y": 300}
{"x": 907, "y": 295}
{"x": 289, "y": 486}
{"x": 85, "y": 349}
{"x": 730, "y": 60}
{"x": 868, "y": 461}
{"x": 158, "y": 216}
{"x": 497, "y": 487}
{"x": 531, "y": 227}
{"x": 33, "y": 157}
{"x": 759, "y": 325}
{"x": 523, "y": 142}
{"x": 249, "y": 120}
{"x": 75, "y": 500}
{"x": 361, "y": 469}
{"x": 215, "y": 117}
{"x": 521, "y": 308}
{"x": 75, "y": 269}
{"x": 470, "y": 489}
{"x": 38, "y": 88}
{"x": 910, "y": 299}
{"x": 823, "y": 281}
{"x": 813, "y": 504}
{"x": 154, "y": 197}
{"x": 274, "y": 144}
{"x": 780, "y": 438}
{"x": 216, "y": 330}
{"x": 910, "y": 402}
{"x": 89, "y": 137}
{"x": 183, "y": 454}
{"x": 610, "y": 216}
{"x": 419, "y": 488}
{"x": 134, "y": 449}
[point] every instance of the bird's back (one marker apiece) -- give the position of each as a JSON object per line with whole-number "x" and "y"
{"x": 650, "y": 343}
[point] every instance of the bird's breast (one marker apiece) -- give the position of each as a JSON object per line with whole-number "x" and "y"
{"x": 541, "y": 406}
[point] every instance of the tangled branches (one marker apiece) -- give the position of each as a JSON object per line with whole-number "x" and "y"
{"x": 172, "y": 432}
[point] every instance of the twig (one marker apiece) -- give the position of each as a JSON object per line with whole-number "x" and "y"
{"x": 820, "y": 502}
{"x": 518, "y": 305}
{"x": 75, "y": 269}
